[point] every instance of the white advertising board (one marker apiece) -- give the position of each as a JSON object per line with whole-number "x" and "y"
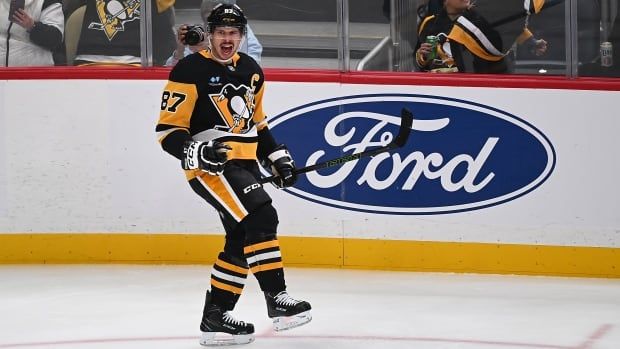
{"x": 505, "y": 165}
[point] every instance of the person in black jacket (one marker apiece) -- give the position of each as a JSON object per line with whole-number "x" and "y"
{"x": 467, "y": 42}
{"x": 449, "y": 56}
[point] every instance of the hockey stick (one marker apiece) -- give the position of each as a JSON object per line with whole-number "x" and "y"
{"x": 398, "y": 142}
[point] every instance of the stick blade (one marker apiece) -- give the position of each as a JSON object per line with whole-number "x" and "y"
{"x": 405, "y": 127}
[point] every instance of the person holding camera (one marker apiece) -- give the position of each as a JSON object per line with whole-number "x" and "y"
{"x": 29, "y": 31}
{"x": 212, "y": 120}
{"x": 195, "y": 41}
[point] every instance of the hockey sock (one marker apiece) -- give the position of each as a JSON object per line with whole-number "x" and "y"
{"x": 228, "y": 277}
{"x": 265, "y": 261}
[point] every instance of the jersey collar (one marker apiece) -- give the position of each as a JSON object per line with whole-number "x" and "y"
{"x": 207, "y": 54}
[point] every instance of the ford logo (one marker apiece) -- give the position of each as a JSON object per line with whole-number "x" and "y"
{"x": 460, "y": 155}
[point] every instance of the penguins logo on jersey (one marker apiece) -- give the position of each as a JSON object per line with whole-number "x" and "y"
{"x": 236, "y": 107}
{"x": 113, "y": 15}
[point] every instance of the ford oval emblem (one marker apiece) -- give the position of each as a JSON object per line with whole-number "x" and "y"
{"x": 460, "y": 155}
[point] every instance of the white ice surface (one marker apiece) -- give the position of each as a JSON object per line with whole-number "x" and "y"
{"x": 128, "y": 306}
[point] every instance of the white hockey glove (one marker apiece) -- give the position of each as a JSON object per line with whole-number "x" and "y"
{"x": 208, "y": 156}
{"x": 283, "y": 166}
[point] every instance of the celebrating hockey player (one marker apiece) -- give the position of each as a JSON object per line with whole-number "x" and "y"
{"x": 212, "y": 120}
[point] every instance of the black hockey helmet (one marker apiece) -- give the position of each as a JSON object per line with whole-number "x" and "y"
{"x": 227, "y": 15}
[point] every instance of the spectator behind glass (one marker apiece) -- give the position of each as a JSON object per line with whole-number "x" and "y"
{"x": 250, "y": 46}
{"x": 31, "y": 35}
{"x": 111, "y": 32}
{"x": 473, "y": 45}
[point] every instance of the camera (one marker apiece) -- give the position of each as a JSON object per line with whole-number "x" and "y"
{"x": 195, "y": 34}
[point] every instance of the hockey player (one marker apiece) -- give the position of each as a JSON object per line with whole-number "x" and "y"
{"x": 212, "y": 120}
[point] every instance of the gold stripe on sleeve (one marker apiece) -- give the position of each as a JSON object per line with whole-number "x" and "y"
{"x": 177, "y": 104}
{"x": 424, "y": 24}
{"x": 259, "y": 114}
{"x": 459, "y": 35}
{"x": 526, "y": 34}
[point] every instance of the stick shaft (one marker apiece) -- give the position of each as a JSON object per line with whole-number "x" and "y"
{"x": 399, "y": 141}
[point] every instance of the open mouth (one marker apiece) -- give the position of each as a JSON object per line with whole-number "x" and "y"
{"x": 227, "y": 49}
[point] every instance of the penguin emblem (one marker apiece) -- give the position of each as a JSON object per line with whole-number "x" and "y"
{"x": 113, "y": 14}
{"x": 235, "y": 107}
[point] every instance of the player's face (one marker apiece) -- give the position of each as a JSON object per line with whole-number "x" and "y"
{"x": 225, "y": 42}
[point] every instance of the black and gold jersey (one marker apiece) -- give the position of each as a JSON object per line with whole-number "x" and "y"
{"x": 206, "y": 100}
{"x": 111, "y": 29}
{"x": 473, "y": 44}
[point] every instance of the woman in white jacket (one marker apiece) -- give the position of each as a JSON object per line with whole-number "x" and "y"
{"x": 31, "y": 34}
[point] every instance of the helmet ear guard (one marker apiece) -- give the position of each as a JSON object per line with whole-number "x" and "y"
{"x": 227, "y": 15}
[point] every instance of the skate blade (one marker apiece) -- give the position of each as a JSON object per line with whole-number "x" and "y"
{"x": 217, "y": 339}
{"x": 286, "y": 323}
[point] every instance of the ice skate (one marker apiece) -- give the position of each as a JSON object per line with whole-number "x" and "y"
{"x": 218, "y": 327}
{"x": 287, "y": 312}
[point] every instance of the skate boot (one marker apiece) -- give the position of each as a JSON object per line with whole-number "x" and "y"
{"x": 287, "y": 312}
{"x": 218, "y": 327}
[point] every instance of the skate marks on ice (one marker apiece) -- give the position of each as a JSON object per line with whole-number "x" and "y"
{"x": 276, "y": 340}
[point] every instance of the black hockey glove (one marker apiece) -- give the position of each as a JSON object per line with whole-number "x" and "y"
{"x": 283, "y": 166}
{"x": 208, "y": 156}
